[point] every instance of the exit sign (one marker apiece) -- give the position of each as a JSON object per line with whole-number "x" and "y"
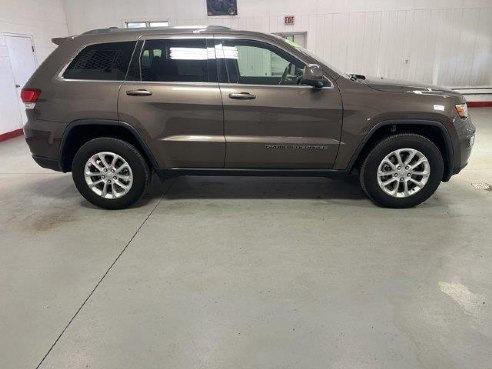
{"x": 289, "y": 20}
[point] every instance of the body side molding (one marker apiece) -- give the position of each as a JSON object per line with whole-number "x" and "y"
{"x": 264, "y": 172}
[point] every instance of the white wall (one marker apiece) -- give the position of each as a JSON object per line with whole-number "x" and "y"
{"x": 41, "y": 19}
{"x": 447, "y": 42}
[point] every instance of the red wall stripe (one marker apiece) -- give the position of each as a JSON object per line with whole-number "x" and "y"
{"x": 9, "y": 135}
{"x": 478, "y": 104}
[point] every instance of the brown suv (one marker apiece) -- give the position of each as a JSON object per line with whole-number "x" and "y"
{"x": 113, "y": 105}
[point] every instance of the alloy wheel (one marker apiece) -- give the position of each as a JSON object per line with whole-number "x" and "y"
{"x": 108, "y": 175}
{"x": 403, "y": 172}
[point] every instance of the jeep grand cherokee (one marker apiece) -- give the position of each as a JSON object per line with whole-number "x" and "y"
{"x": 114, "y": 105}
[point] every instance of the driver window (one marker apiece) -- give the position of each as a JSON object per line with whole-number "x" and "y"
{"x": 254, "y": 62}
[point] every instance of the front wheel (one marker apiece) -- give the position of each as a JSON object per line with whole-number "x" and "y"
{"x": 402, "y": 171}
{"x": 110, "y": 173}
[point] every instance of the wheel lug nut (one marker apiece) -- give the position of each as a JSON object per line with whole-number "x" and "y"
{"x": 103, "y": 177}
{"x": 408, "y": 174}
{"x": 109, "y": 181}
{"x": 407, "y": 167}
{"x": 395, "y": 175}
{"x": 114, "y": 178}
{"x": 402, "y": 179}
{"x": 398, "y": 168}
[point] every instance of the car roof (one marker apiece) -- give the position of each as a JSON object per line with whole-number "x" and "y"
{"x": 120, "y": 34}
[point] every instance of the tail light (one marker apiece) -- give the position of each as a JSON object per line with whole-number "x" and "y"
{"x": 29, "y": 96}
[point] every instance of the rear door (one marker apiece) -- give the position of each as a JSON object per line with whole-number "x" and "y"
{"x": 270, "y": 120}
{"x": 172, "y": 96}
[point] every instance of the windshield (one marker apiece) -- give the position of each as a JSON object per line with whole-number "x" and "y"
{"x": 310, "y": 54}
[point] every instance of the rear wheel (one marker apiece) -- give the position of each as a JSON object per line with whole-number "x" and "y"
{"x": 402, "y": 171}
{"x": 110, "y": 173}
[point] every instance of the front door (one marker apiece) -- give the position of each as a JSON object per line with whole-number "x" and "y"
{"x": 172, "y": 96}
{"x": 270, "y": 120}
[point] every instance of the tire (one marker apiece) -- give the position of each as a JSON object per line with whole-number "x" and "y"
{"x": 129, "y": 176}
{"x": 382, "y": 190}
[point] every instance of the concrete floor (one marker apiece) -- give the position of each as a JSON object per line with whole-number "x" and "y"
{"x": 245, "y": 273}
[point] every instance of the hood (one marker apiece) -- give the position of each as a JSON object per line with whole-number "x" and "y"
{"x": 394, "y": 85}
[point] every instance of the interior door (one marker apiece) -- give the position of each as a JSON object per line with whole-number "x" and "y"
{"x": 270, "y": 120}
{"x": 23, "y": 62}
{"x": 173, "y": 97}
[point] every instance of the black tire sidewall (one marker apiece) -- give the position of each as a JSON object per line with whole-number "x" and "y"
{"x": 378, "y": 153}
{"x": 134, "y": 159}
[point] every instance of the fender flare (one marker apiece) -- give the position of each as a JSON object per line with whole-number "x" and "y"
{"x": 447, "y": 140}
{"x": 106, "y": 122}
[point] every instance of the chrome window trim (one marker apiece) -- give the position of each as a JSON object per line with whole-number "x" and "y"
{"x": 59, "y": 76}
{"x": 226, "y": 85}
{"x": 91, "y": 80}
{"x": 197, "y": 84}
{"x": 143, "y": 39}
{"x": 168, "y": 83}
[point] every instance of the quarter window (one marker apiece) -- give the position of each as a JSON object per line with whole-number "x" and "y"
{"x": 254, "y": 62}
{"x": 108, "y": 62}
{"x": 175, "y": 61}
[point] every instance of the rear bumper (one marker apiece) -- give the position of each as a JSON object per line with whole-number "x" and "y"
{"x": 44, "y": 139}
{"x": 47, "y": 163}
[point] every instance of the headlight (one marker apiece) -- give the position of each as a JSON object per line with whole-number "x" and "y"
{"x": 462, "y": 110}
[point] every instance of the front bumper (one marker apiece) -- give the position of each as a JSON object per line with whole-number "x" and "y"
{"x": 465, "y": 131}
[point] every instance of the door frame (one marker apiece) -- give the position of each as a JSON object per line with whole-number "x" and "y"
{"x": 36, "y": 64}
{"x": 24, "y": 35}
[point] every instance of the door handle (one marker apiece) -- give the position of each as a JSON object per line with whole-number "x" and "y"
{"x": 17, "y": 86}
{"x": 242, "y": 96}
{"x": 139, "y": 92}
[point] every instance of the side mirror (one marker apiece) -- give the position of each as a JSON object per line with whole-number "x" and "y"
{"x": 313, "y": 76}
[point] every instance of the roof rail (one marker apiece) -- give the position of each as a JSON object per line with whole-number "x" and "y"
{"x": 100, "y": 30}
{"x": 113, "y": 29}
{"x": 218, "y": 27}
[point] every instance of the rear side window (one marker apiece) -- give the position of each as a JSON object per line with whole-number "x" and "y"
{"x": 175, "y": 61}
{"x": 107, "y": 62}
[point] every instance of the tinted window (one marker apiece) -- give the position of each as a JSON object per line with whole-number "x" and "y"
{"x": 107, "y": 61}
{"x": 174, "y": 61}
{"x": 254, "y": 62}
